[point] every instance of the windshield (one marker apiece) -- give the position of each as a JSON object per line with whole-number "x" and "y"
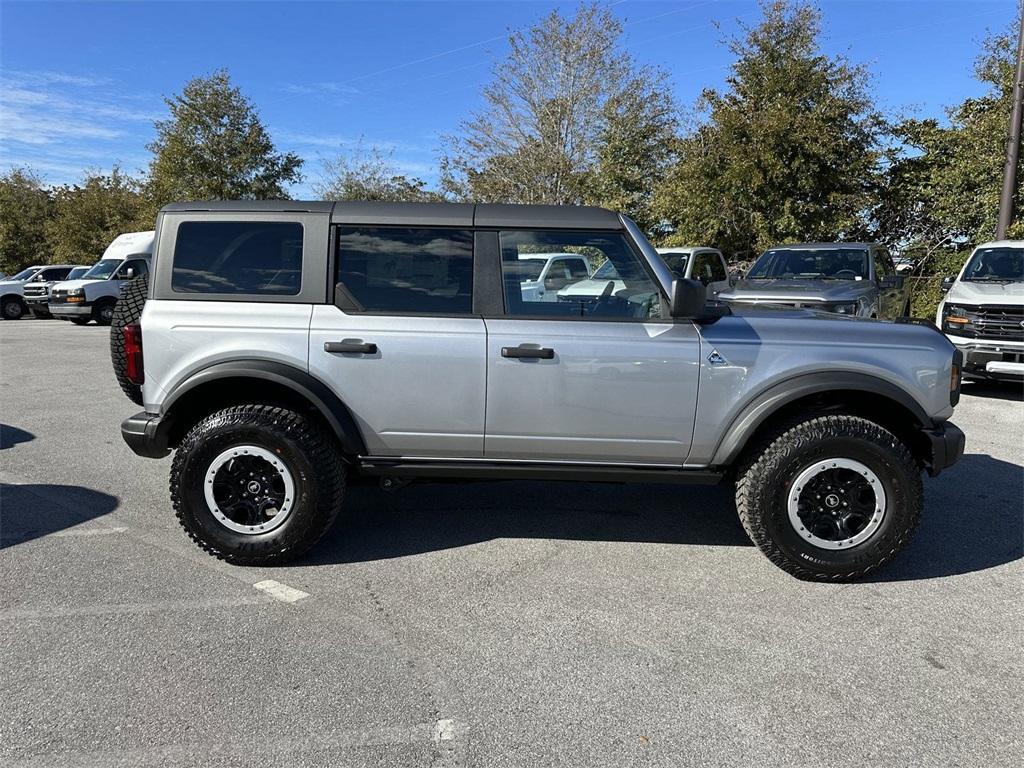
{"x": 102, "y": 269}
{"x": 25, "y": 274}
{"x": 811, "y": 264}
{"x": 1004, "y": 265}
{"x": 527, "y": 269}
{"x": 606, "y": 272}
{"x": 676, "y": 262}
{"x": 77, "y": 272}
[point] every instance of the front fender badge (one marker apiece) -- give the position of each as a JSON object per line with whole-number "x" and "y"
{"x": 715, "y": 358}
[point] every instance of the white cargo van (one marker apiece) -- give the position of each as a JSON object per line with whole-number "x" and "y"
{"x": 93, "y": 296}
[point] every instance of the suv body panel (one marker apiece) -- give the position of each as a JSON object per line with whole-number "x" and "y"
{"x": 437, "y": 389}
{"x": 421, "y": 394}
{"x": 184, "y": 337}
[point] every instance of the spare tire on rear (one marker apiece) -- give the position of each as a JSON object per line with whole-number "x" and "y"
{"x": 128, "y": 310}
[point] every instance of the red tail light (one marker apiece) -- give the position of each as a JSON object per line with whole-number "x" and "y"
{"x": 133, "y": 353}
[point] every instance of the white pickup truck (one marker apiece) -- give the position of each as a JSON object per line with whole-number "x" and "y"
{"x": 982, "y": 312}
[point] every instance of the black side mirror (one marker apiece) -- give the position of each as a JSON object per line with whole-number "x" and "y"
{"x": 689, "y": 298}
{"x": 947, "y": 282}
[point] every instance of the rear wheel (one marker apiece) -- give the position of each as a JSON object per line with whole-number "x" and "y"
{"x": 830, "y": 498}
{"x": 12, "y": 308}
{"x": 127, "y": 310}
{"x": 257, "y": 484}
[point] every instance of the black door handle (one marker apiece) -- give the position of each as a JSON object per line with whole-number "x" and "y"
{"x": 351, "y": 346}
{"x": 541, "y": 353}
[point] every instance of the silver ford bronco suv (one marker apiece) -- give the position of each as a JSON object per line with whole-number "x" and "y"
{"x": 284, "y": 350}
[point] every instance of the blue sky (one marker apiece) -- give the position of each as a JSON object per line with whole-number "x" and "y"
{"x": 82, "y": 82}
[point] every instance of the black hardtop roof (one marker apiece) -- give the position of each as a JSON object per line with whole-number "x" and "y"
{"x": 422, "y": 214}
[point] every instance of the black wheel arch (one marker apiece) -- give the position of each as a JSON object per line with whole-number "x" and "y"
{"x": 856, "y": 393}
{"x": 239, "y": 381}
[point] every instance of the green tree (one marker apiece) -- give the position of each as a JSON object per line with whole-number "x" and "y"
{"x": 944, "y": 180}
{"x": 367, "y": 173}
{"x": 87, "y": 216}
{"x": 789, "y": 151}
{"x": 567, "y": 118}
{"x": 24, "y": 208}
{"x": 214, "y": 147}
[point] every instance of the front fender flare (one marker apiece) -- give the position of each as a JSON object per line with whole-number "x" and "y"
{"x": 770, "y": 400}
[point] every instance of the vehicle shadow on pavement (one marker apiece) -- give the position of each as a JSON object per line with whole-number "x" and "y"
{"x": 376, "y": 525}
{"x": 996, "y": 390}
{"x": 11, "y": 436}
{"x": 30, "y": 511}
{"x": 973, "y": 520}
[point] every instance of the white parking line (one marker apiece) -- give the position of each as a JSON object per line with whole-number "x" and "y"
{"x": 444, "y": 730}
{"x": 77, "y": 531}
{"x": 280, "y": 591}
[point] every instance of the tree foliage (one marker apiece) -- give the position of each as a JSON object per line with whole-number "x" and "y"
{"x": 944, "y": 181}
{"x": 24, "y": 209}
{"x": 789, "y": 151}
{"x": 214, "y": 147}
{"x": 368, "y": 173}
{"x": 567, "y": 118}
{"x": 88, "y": 216}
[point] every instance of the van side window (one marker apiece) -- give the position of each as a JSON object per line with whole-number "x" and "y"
{"x": 405, "y": 270}
{"x": 235, "y": 257}
{"x": 138, "y": 267}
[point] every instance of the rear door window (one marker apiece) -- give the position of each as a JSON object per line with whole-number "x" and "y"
{"x": 405, "y": 270}
{"x": 234, "y": 257}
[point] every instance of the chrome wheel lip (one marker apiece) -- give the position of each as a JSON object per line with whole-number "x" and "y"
{"x": 824, "y": 465}
{"x": 276, "y": 462}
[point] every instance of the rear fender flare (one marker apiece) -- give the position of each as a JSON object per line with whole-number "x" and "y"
{"x": 318, "y": 394}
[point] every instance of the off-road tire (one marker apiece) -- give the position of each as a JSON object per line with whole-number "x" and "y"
{"x": 12, "y": 309}
{"x": 768, "y": 470}
{"x": 311, "y": 455}
{"x": 127, "y": 310}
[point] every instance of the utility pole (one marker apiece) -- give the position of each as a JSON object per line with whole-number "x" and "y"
{"x": 1013, "y": 145}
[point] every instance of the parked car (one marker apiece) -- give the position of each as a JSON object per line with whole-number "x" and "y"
{"x": 283, "y": 350}
{"x": 982, "y": 312}
{"x": 94, "y": 295}
{"x": 37, "y": 290}
{"x": 704, "y": 264}
{"x": 542, "y": 275}
{"x": 845, "y": 278}
{"x": 12, "y": 291}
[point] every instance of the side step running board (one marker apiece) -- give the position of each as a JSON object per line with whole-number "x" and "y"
{"x": 593, "y": 473}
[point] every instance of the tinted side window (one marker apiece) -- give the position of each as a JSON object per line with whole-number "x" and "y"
{"x": 406, "y": 270}
{"x": 620, "y": 287}
{"x": 252, "y": 257}
{"x": 138, "y": 267}
{"x": 54, "y": 274}
{"x": 882, "y": 267}
{"x": 717, "y": 268}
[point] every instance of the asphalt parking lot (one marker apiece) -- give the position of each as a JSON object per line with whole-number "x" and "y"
{"x": 511, "y": 624}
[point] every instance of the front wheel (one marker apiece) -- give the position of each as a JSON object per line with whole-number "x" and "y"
{"x": 257, "y": 484}
{"x": 830, "y": 498}
{"x": 103, "y": 313}
{"x": 12, "y": 309}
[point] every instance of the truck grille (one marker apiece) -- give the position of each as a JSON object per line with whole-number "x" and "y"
{"x": 58, "y": 297}
{"x": 996, "y": 321}
{"x": 35, "y": 290}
